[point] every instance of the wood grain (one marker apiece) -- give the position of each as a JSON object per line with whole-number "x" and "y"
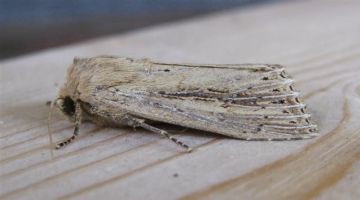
{"x": 322, "y": 52}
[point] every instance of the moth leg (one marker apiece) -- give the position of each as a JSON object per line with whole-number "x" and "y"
{"x": 78, "y": 114}
{"x": 135, "y": 122}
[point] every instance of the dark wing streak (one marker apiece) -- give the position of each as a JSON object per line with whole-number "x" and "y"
{"x": 230, "y": 96}
{"x": 303, "y": 116}
{"x": 265, "y": 123}
{"x": 275, "y": 106}
{"x": 252, "y": 67}
{"x": 247, "y": 116}
{"x": 291, "y": 127}
{"x": 290, "y": 94}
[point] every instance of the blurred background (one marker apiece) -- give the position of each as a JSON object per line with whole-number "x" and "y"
{"x": 31, "y": 25}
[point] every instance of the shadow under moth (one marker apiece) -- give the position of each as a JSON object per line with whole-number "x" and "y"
{"x": 244, "y": 101}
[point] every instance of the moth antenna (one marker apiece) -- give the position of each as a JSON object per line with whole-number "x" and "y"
{"x": 78, "y": 114}
{"x": 49, "y": 125}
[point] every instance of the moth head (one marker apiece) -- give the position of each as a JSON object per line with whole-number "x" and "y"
{"x": 68, "y": 93}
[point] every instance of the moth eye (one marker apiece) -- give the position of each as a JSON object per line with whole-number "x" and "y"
{"x": 68, "y": 106}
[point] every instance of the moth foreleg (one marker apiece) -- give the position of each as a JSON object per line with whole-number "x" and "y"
{"x": 136, "y": 122}
{"x": 78, "y": 113}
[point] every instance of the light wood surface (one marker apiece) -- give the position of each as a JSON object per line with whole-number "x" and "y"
{"x": 317, "y": 40}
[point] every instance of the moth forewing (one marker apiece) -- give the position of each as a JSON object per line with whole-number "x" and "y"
{"x": 245, "y": 101}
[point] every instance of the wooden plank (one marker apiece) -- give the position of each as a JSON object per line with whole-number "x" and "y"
{"x": 322, "y": 52}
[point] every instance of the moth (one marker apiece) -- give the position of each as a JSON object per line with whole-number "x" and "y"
{"x": 243, "y": 101}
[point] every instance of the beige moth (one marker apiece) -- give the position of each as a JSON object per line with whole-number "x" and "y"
{"x": 243, "y": 101}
